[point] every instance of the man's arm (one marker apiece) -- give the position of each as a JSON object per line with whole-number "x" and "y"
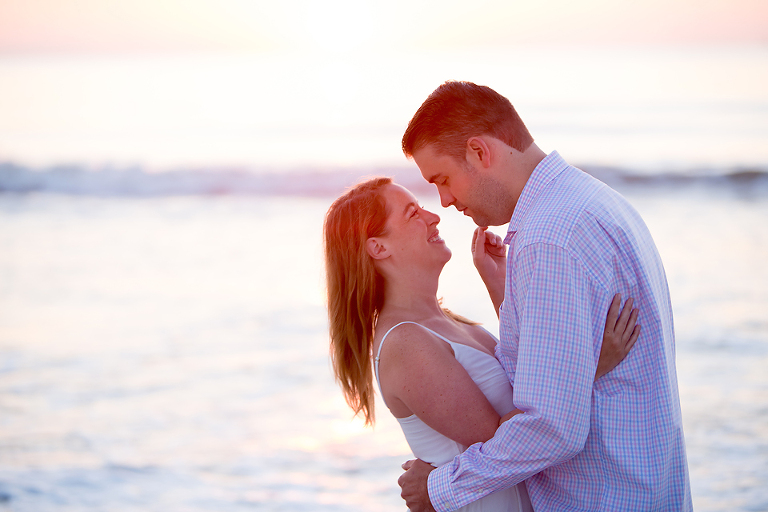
{"x": 554, "y": 370}
{"x": 619, "y": 336}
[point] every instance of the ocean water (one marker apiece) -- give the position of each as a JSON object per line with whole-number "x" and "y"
{"x": 169, "y": 351}
{"x": 163, "y": 338}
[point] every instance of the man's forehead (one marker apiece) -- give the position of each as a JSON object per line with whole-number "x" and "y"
{"x": 429, "y": 162}
{"x": 428, "y": 152}
{"x": 429, "y": 175}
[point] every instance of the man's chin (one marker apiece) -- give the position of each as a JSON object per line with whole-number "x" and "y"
{"x": 484, "y": 222}
{"x": 480, "y": 221}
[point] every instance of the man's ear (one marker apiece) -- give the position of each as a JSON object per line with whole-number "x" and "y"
{"x": 478, "y": 152}
{"x": 376, "y": 249}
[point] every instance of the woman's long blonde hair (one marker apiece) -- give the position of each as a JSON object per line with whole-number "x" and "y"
{"x": 355, "y": 288}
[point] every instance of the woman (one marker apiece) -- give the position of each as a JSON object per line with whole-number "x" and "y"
{"x": 436, "y": 370}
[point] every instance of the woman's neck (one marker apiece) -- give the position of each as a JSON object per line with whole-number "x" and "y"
{"x": 412, "y": 296}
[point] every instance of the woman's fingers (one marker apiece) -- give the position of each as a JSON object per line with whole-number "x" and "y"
{"x": 630, "y": 327}
{"x": 626, "y": 312}
{"x": 478, "y": 241}
{"x": 494, "y": 244}
{"x": 632, "y": 339}
{"x": 613, "y": 313}
{"x": 622, "y": 324}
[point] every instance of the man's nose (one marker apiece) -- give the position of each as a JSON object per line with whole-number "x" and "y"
{"x": 446, "y": 199}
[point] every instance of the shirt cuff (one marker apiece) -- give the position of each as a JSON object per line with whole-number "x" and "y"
{"x": 438, "y": 487}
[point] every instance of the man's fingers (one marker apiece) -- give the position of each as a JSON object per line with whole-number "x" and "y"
{"x": 407, "y": 464}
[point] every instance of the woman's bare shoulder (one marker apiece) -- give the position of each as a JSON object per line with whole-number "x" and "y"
{"x": 406, "y": 337}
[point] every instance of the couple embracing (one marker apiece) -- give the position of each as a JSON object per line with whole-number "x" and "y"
{"x": 573, "y": 407}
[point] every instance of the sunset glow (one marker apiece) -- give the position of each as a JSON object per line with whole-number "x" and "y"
{"x": 343, "y": 25}
{"x": 240, "y": 82}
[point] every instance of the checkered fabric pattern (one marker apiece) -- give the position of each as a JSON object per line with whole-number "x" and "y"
{"x": 615, "y": 444}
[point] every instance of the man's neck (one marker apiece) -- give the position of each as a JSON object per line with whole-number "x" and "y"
{"x": 520, "y": 166}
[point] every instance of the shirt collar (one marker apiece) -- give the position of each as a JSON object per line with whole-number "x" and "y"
{"x": 552, "y": 165}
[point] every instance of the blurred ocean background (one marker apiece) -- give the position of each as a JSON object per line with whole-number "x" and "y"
{"x": 163, "y": 338}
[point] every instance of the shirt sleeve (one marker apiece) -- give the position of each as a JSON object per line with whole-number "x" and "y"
{"x": 549, "y": 303}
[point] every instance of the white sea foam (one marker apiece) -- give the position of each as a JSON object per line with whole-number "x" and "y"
{"x": 135, "y": 181}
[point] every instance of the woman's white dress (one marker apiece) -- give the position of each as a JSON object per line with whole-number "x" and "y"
{"x": 430, "y": 446}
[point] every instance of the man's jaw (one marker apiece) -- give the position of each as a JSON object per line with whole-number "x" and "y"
{"x": 468, "y": 213}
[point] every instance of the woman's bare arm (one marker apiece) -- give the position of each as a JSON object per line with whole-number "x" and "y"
{"x": 420, "y": 375}
{"x": 423, "y": 377}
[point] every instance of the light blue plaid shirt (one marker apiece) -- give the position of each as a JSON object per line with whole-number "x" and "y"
{"x": 612, "y": 445}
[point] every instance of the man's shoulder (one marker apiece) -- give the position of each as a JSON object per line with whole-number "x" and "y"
{"x": 570, "y": 199}
{"x": 585, "y": 219}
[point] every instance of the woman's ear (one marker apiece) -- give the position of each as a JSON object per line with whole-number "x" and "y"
{"x": 376, "y": 248}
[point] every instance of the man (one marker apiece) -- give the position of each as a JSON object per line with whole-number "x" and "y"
{"x": 616, "y": 444}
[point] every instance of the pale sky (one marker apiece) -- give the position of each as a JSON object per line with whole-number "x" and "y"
{"x": 136, "y": 26}
{"x": 187, "y": 82}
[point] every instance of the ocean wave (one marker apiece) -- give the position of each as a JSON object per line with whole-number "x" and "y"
{"x": 136, "y": 181}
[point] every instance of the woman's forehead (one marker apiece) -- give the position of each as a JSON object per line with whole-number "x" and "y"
{"x": 400, "y": 194}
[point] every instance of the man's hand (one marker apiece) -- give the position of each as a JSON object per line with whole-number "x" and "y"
{"x": 489, "y": 256}
{"x": 414, "y": 486}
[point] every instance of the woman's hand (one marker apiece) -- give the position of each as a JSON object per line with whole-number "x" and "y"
{"x": 619, "y": 335}
{"x": 490, "y": 258}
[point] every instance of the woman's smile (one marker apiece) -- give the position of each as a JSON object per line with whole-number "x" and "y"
{"x": 435, "y": 238}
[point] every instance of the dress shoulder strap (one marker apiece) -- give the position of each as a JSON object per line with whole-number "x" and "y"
{"x": 378, "y": 353}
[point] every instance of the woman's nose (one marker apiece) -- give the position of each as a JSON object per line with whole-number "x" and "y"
{"x": 433, "y": 217}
